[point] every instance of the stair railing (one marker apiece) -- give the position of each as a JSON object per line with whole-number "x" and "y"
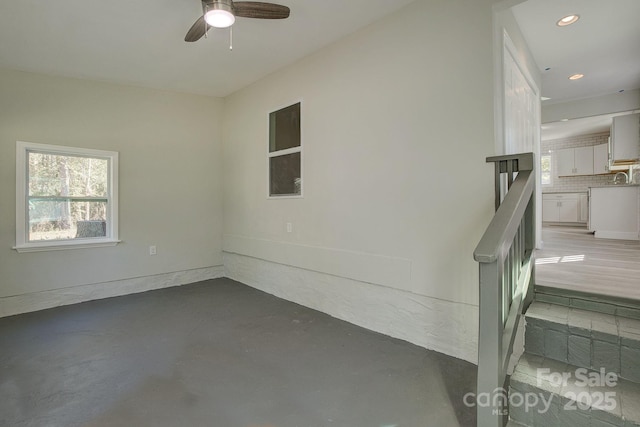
{"x": 505, "y": 255}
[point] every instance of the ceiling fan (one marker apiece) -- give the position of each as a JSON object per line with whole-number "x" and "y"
{"x": 223, "y": 13}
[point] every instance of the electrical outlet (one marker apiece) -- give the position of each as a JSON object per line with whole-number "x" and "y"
{"x": 289, "y": 227}
{"x": 152, "y": 250}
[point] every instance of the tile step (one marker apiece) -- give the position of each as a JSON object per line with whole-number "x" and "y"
{"x": 600, "y": 303}
{"x": 584, "y": 338}
{"x": 561, "y": 394}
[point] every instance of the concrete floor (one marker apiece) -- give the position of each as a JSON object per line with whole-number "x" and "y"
{"x": 220, "y": 354}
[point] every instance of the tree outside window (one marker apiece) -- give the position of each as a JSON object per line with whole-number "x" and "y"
{"x": 545, "y": 170}
{"x": 65, "y": 196}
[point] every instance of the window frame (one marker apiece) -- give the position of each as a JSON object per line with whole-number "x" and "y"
{"x": 22, "y": 181}
{"x": 285, "y": 152}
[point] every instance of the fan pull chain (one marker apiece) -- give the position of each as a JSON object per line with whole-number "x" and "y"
{"x": 231, "y": 38}
{"x": 204, "y": 12}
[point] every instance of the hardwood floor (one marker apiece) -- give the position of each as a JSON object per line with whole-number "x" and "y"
{"x": 573, "y": 259}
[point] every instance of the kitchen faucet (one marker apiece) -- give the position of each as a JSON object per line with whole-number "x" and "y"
{"x": 621, "y": 174}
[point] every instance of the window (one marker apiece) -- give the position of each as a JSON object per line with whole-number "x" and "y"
{"x": 285, "y": 152}
{"x": 65, "y": 197}
{"x": 545, "y": 170}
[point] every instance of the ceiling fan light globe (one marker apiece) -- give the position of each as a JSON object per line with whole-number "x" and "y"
{"x": 219, "y": 18}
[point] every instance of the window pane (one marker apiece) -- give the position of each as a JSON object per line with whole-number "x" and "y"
{"x": 75, "y": 176}
{"x": 546, "y": 178}
{"x": 68, "y": 197}
{"x": 64, "y": 219}
{"x": 545, "y": 163}
{"x": 284, "y": 128}
{"x": 285, "y": 175}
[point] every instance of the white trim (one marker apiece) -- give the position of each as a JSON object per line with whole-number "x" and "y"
{"x": 65, "y": 150}
{"x": 618, "y": 235}
{"x": 513, "y": 51}
{"x": 17, "y": 304}
{"x": 508, "y": 47}
{"x": 21, "y": 193}
{"x": 382, "y": 270}
{"x": 286, "y": 196}
{"x": 22, "y": 244}
{"x": 60, "y": 245}
{"x": 286, "y": 151}
{"x": 506, "y": 4}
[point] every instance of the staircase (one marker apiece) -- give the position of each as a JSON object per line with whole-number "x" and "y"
{"x": 581, "y": 365}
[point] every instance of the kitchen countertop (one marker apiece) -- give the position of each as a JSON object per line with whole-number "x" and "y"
{"x": 616, "y": 185}
{"x": 565, "y": 192}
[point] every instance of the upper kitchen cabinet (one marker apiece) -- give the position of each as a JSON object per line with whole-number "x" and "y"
{"x": 601, "y": 159}
{"x": 625, "y": 138}
{"x": 575, "y": 161}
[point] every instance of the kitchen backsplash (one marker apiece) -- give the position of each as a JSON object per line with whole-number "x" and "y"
{"x": 575, "y": 184}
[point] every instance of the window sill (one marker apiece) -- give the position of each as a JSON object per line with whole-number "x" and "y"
{"x": 65, "y": 245}
{"x": 286, "y": 196}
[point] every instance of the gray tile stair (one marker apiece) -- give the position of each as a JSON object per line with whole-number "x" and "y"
{"x": 561, "y": 394}
{"x": 568, "y": 349}
{"x": 584, "y": 338}
{"x": 607, "y": 304}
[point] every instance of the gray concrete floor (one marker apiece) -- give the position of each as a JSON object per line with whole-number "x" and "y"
{"x": 222, "y": 354}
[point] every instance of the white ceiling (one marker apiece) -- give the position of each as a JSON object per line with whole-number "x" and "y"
{"x": 604, "y": 45}
{"x": 141, "y": 42}
{"x": 580, "y": 126}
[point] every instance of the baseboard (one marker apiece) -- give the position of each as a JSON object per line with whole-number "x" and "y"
{"x": 35, "y": 301}
{"x": 444, "y": 326}
{"x": 619, "y": 235}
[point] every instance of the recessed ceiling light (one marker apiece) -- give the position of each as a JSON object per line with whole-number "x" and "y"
{"x": 564, "y": 120}
{"x": 568, "y": 20}
{"x": 544, "y": 98}
{"x": 576, "y": 77}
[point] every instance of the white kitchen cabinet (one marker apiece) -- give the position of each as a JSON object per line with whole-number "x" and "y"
{"x": 625, "y": 137}
{"x": 601, "y": 159}
{"x": 584, "y": 160}
{"x": 550, "y": 211}
{"x": 575, "y": 161}
{"x": 561, "y": 207}
{"x": 583, "y": 208}
{"x": 566, "y": 161}
{"x": 615, "y": 212}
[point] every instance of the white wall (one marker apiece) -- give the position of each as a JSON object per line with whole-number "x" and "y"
{"x": 397, "y": 122}
{"x": 170, "y": 187}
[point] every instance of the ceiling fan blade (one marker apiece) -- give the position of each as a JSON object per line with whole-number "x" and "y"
{"x": 256, "y": 9}
{"x": 197, "y": 30}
